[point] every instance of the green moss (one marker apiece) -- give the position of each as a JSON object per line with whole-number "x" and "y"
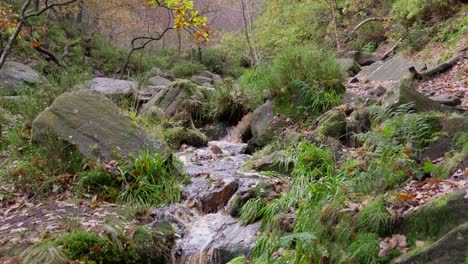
{"x": 429, "y": 221}
{"x": 180, "y": 135}
{"x": 375, "y": 218}
{"x": 332, "y": 124}
{"x": 154, "y": 245}
{"x": 81, "y": 244}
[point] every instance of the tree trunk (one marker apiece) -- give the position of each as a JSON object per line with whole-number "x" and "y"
{"x": 12, "y": 39}
{"x": 179, "y": 44}
{"x": 200, "y": 54}
{"x": 253, "y": 53}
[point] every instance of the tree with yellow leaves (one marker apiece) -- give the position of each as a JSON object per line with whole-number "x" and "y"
{"x": 183, "y": 16}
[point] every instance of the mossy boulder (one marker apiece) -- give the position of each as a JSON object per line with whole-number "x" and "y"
{"x": 13, "y": 75}
{"x": 179, "y": 96}
{"x": 154, "y": 245}
{"x": 332, "y": 124}
{"x": 436, "y": 218}
{"x": 451, "y": 248}
{"x": 358, "y": 122}
{"x": 451, "y": 126}
{"x": 95, "y": 125}
{"x": 180, "y": 135}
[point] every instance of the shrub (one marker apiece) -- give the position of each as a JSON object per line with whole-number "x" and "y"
{"x": 152, "y": 180}
{"x": 408, "y": 12}
{"x": 316, "y": 69}
{"x": 187, "y": 69}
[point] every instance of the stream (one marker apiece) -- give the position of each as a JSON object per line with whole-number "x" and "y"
{"x": 207, "y": 233}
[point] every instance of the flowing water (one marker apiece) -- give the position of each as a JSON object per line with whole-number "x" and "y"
{"x": 207, "y": 233}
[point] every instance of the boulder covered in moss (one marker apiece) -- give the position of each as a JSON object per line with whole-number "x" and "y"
{"x": 95, "y": 125}
{"x": 179, "y": 96}
{"x": 451, "y": 248}
{"x": 180, "y": 135}
{"x": 154, "y": 245}
{"x": 358, "y": 122}
{"x": 13, "y": 75}
{"x": 437, "y": 217}
{"x": 451, "y": 126}
{"x": 332, "y": 124}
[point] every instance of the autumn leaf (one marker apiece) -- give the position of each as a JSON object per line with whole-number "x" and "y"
{"x": 36, "y": 43}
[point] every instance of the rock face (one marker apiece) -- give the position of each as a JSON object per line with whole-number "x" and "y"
{"x": 113, "y": 87}
{"x": 393, "y": 69}
{"x": 159, "y": 81}
{"x": 14, "y": 74}
{"x": 211, "y": 201}
{"x": 179, "y": 96}
{"x": 445, "y": 219}
{"x": 405, "y": 92}
{"x": 349, "y": 65}
{"x": 261, "y": 118}
{"x": 200, "y": 80}
{"x": 451, "y": 248}
{"x": 94, "y": 124}
{"x": 447, "y": 99}
{"x": 451, "y": 126}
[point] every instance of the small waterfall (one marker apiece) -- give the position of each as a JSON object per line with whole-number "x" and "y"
{"x": 235, "y": 133}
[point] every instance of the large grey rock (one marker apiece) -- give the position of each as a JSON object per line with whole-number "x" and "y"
{"x": 405, "y": 92}
{"x": 112, "y": 87}
{"x": 363, "y": 59}
{"x": 159, "y": 81}
{"x": 200, "y": 80}
{"x": 213, "y": 76}
{"x": 155, "y": 71}
{"x": 349, "y": 65}
{"x": 94, "y": 124}
{"x": 14, "y": 74}
{"x": 451, "y": 248}
{"x": 451, "y": 126}
{"x": 393, "y": 69}
{"x": 447, "y": 99}
{"x": 261, "y": 119}
{"x": 179, "y": 96}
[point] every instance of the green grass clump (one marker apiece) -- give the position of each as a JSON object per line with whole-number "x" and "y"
{"x": 375, "y": 218}
{"x": 112, "y": 248}
{"x": 45, "y": 252}
{"x": 251, "y": 211}
{"x": 365, "y": 249}
{"x": 296, "y": 76}
{"x": 187, "y": 70}
{"x": 152, "y": 180}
